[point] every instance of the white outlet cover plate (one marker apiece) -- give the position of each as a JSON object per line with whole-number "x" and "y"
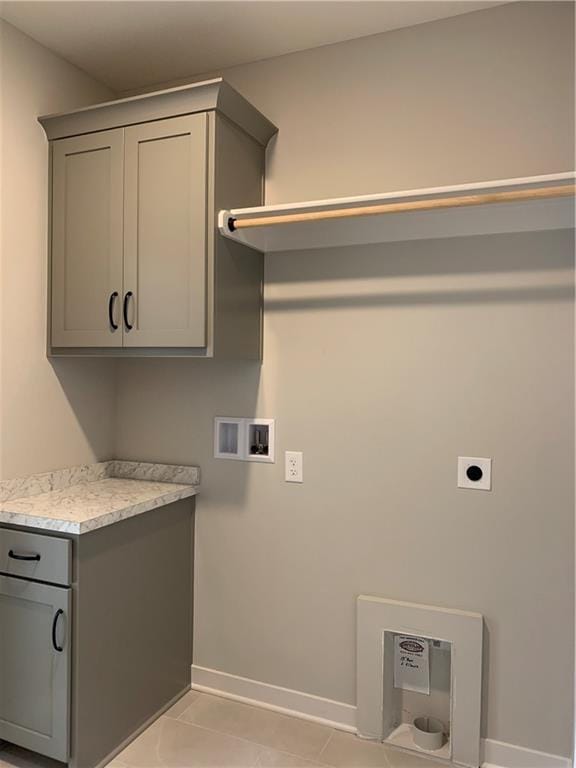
{"x": 294, "y": 459}
{"x": 485, "y": 482}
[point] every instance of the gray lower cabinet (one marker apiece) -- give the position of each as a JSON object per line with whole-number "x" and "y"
{"x": 35, "y": 665}
{"x": 84, "y": 668}
{"x": 137, "y": 264}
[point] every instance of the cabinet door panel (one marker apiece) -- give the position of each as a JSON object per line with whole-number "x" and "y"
{"x": 165, "y": 232}
{"x": 34, "y": 676}
{"x": 87, "y": 201}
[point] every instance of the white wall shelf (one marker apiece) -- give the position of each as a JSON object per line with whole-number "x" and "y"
{"x": 459, "y": 219}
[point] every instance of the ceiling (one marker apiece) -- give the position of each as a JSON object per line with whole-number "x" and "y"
{"x": 133, "y": 44}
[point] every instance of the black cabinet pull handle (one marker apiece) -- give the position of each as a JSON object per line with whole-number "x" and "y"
{"x": 57, "y": 615}
{"x": 126, "y": 300}
{"x": 111, "y": 301}
{"x": 16, "y": 556}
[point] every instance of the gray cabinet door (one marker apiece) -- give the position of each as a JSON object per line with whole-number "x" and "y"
{"x": 165, "y": 232}
{"x": 87, "y": 200}
{"x": 34, "y": 676}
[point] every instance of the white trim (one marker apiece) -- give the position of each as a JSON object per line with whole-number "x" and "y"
{"x": 497, "y": 753}
{"x": 296, "y": 703}
{"x": 336, "y": 714}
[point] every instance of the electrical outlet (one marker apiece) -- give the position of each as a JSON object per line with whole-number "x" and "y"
{"x": 293, "y": 470}
{"x": 474, "y": 473}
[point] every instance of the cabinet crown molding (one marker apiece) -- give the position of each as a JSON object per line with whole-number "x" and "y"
{"x": 210, "y": 95}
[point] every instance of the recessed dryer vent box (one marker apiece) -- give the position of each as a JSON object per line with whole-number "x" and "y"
{"x": 419, "y": 669}
{"x": 420, "y": 684}
{"x": 244, "y": 439}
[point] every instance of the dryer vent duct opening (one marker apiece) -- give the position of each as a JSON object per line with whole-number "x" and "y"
{"x": 417, "y": 664}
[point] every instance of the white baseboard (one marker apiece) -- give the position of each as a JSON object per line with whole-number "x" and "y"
{"x": 336, "y": 714}
{"x": 497, "y": 754}
{"x": 304, "y": 705}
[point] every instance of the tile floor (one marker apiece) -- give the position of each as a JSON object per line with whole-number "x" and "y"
{"x": 202, "y": 731}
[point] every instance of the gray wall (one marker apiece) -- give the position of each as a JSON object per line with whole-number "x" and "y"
{"x": 51, "y": 414}
{"x": 485, "y": 95}
{"x": 383, "y": 364}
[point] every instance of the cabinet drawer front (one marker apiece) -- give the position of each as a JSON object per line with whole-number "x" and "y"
{"x": 34, "y": 556}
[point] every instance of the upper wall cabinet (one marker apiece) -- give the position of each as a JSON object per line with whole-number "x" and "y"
{"x": 164, "y": 231}
{"x": 87, "y": 224}
{"x": 137, "y": 266}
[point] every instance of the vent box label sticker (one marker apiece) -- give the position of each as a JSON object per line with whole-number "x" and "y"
{"x": 412, "y": 663}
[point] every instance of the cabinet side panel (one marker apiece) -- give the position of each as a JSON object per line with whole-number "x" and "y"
{"x": 239, "y": 271}
{"x": 132, "y": 640}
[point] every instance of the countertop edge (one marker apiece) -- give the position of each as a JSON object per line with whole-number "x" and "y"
{"x": 127, "y": 512}
{"x": 60, "y": 525}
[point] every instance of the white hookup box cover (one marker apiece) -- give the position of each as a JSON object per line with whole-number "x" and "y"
{"x": 412, "y": 663}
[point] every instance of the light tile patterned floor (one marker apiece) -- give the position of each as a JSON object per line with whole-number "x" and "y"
{"x": 202, "y": 731}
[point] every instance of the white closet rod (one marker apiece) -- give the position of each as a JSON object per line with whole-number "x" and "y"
{"x": 565, "y": 190}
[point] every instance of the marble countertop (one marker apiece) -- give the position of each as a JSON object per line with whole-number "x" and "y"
{"x": 82, "y": 499}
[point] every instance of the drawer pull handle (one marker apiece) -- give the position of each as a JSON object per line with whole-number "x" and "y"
{"x": 111, "y": 300}
{"x": 16, "y": 556}
{"x": 57, "y": 615}
{"x": 127, "y": 298}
